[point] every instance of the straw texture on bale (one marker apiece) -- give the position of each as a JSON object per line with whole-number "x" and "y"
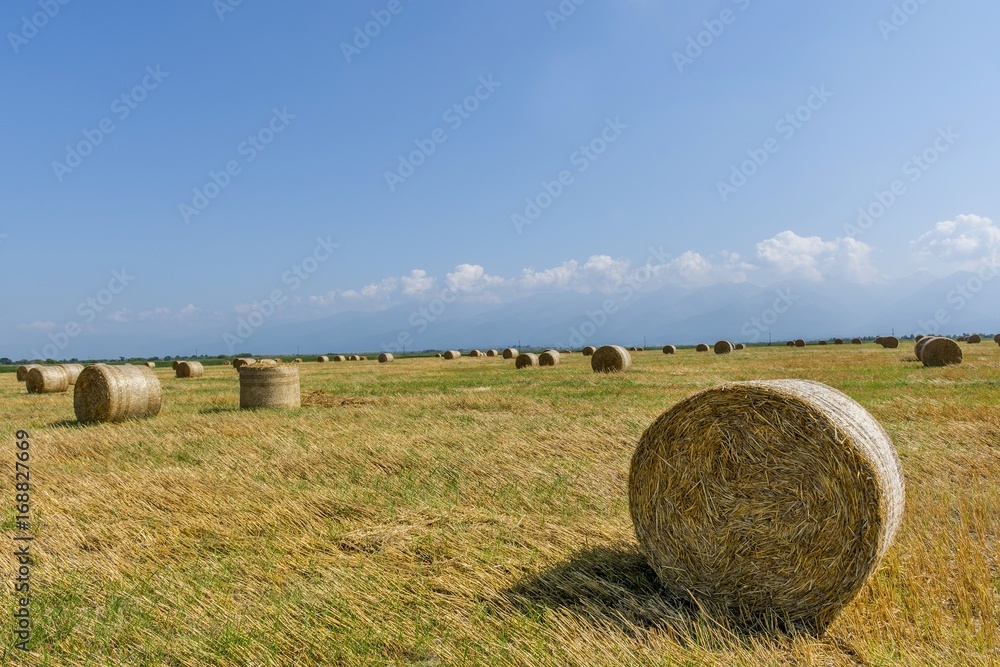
{"x": 589, "y": 350}
{"x": 549, "y": 358}
{"x": 838, "y": 341}
{"x": 452, "y": 354}
{"x": 174, "y": 365}
{"x": 610, "y": 359}
{"x": 890, "y": 342}
{"x": 270, "y": 387}
{"x": 938, "y": 352}
{"x": 354, "y": 357}
{"x": 322, "y": 359}
{"x": 669, "y": 349}
{"x": 702, "y": 347}
{"x": 385, "y": 358}
{"x": 855, "y": 341}
{"x": 526, "y": 360}
{"x": 491, "y": 353}
{"x": 190, "y": 369}
{"x": 769, "y": 497}
{"x": 723, "y": 347}
{"x": 918, "y": 347}
{"x": 73, "y": 371}
{"x": 975, "y": 338}
{"x": 878, "y": 340}
{"x": 339, "y": 357}
{"x": 22, "y": 371}
{"x": 47, "y": 380}
{"x": 917, "y": 339}
{"x": 996, "y": 339}
{"x": 475, "y": 353}
{"x": 799, "y": 342}
{"x": 739, "y": 346}
{"x": 114, "y": 393}
{"x": 510, "y": 353}
{"x": 152, "y": 364}
{"x": 238, "y": 363}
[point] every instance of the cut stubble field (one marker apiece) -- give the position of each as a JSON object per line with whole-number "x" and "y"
{"x": 463, "y": 512}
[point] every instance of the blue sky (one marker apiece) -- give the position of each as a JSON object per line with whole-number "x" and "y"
{"x": 644, "y": 109}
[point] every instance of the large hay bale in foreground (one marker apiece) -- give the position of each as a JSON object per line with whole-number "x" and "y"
{"x": 274, "y": 386}
{"x": 22, "y": 371}
{"x": 191, "y": 369}
{"x": 669, "y": 349}
{"x": 918, "y": 347}
{"x": 549, "y": 358}
{"x": 73, "y": 371}
{"x": 510, "y": 353}
{"x": 938, "y": 352}
{"x": 589, "y": 350}
{"x": 974, "y": 338}
{"x": 526, "y": 360}
{"x": 702, "y": 347}
{"x": 775, "y": 497}
{"x": 890, "y": 342}
{"x": 723, "y": 347}
{"x": 238, "y": 363}
{"x": 385, "y": 358}
{"x": 322, "y": 359}
{"x": 106, "y": 393}
{"x": 855, "y": 341}
{"x": 452, "y": 354}
{"x": 47, "y": 380}
{"x": 610, "y": 359}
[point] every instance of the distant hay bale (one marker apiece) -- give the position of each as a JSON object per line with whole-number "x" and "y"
{"x": 723, "y": 347}
{"x": 641, "y": 349}
{"x": 669, "y": 349}
{"x": 354, "y": 357}
{"x": 47, "y": 380}
{"x": 549, "y": 358}
{"x": 589, "y": 350}
{"x": 452, "y": 354}
{"x": 799, "y": 342}
{"x": 152, "y": 364}
{"x": 491, "y": 353}
{"x": 106, "y": 393}
{"x": 22, "y": 371}
{"x": 610, "y": 359}
{"x": 475, "y": 353}
{"x": 633, "y": 349}
{"x": 238, "y": 363}
{"x": 270, "y": 387}
{"x": 73, "y": 371}
{"x": 438, "y": 355}
{"x": 996, "y": 339}
{"x": 702, "y": 347}
{"x": 975, "y": 338}
{"x": 385, "y": 358}
{"x": 790, "y": 343}
{"x": 822, "y": 342}
{"x": 363, "y": 358}
{"x": 324, "y": 359}
{"x": 739, "y": 346}
{"x": 918, "y": 337}
{"x": 339, "y": 357}
{"x": 174, "y": 365}
{"x": 878, "y": 340}
{"x": 963, "y": 339}
{"x": 855, "y": 341}
{"x": 838, "y": 341}
{"x": 298, "y": 360}
{"x": 226, "y": 362}
{"x": 890, "y": 342}
{"x": 510, "y": 353}
{"x": 766, "y": 498}
{"x": 526, "y": 360}
{"x": 567, "y": 351}
{"x": 940, "y": 352}
{"x": 190, "y": 369}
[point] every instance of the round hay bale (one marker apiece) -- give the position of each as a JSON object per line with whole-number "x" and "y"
{"x": 890, "y": 342}
{"x": 940, "y": 352}
{"x": 385, "y": 358}
{"x": 589, "y": 350}
{"x": 567, "y": 351}
{"x": 739, "y": 346}
{"x": 641, "y": 349}
{"x": 790, "y": 343}
{"x": 610, "y": 359}
{"x": 269, "y": 387}
{"x": 354, "y": 357}
{"x": 363, "y": 358}
{"x": 475, "y": 353}
{"x": 822, "y": 342}
{"x": 770, "y": 497}
{"x": 152, "y": 364}
{"x": 878, "y": 340}
{"x": 238, "y": 363}
{"x": 279, "y": 360}
{"x": 723, "y": 347}
{"x": 226, "y": 362}
{"x": 73, "y": 371}
{"x": 918, "y": 347}
{"x": 974, "y": 338}
{"x": 174, "y": 365}
{"x": 22, "y": 371}
{"x": 510, "y": 353}
{"x": 838, "y": 341}
{"x": 491, "y": 353}
{"x": 526, "y": 360}
{"x": 47, "y": 380}
{"x": 633, "y": 349}
{"x": 549, "y": 358}
{"x": 192, "y": 369}
{"x": 996, "y": 339}
{"x": 113, "y": 393}
{"x": 701, "y": 347}
{"x": 799, "y": 342}
{"x": 438, "y": 355}
{"x": 669, "y": 349}
{"x": 452, "y": 354}
{"x": 855, "y": 341}
{"x": 918, "y": 337}
{"x": 963, "y": 339}
{"x": 298, "y": 360}
{"x": 324, "y": 359}
{"x": 339, "y": 357}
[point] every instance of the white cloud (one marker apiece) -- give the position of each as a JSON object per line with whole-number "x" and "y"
{"x": 160, "y": 312}
{"x": 960, "y": 243}
{"x": 471, "y": 279}
{"x": 812, "y": 258}
{"x": 120, "y": 316}
{"x": 417, "y": 282}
